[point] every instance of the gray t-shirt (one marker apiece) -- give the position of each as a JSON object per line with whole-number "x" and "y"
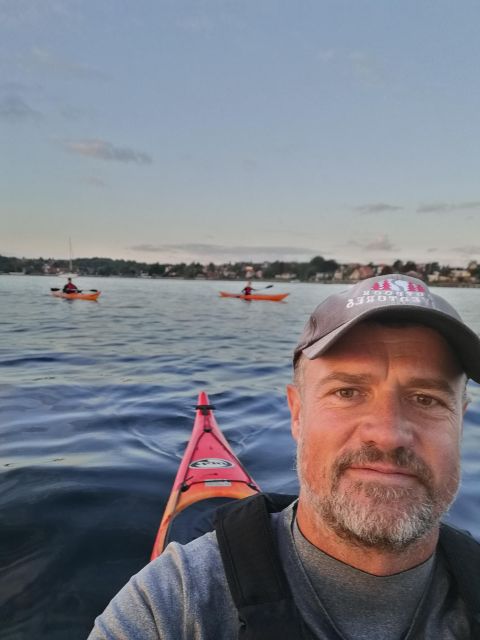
{"x": 183, "y": 595}
{"x": 354, "y": 604}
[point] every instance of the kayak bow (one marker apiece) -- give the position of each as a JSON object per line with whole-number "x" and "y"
{"x": 273, "y": 297}
{"x": 209, "y": 469}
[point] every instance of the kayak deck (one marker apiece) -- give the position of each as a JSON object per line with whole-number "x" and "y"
{"x": 209, "y": 471}
{"x": 273, "y": 297}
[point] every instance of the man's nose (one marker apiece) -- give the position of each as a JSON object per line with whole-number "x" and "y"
{"x": 387, "y": 424}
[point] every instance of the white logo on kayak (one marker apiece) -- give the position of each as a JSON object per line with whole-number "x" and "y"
{"x": 211, "y": 463}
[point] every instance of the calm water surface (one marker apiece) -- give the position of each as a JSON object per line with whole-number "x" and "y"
{"x": 96, "y": 406}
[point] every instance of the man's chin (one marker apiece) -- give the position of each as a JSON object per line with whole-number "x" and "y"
{"x": 393, "y": 496}
{"x": 377, "y": 516}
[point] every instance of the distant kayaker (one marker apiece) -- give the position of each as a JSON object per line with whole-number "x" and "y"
{"x": 377, "y": 402}
{"x": 248, "y": 289}
{"x": 70, "y": 287}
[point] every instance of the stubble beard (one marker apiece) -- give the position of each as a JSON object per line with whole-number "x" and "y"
{"x": 373, "y": 514}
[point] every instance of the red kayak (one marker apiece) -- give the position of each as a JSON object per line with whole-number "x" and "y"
{"x": 209, "y": 470}
{"x": 77, "y": 295}
{"x": 273, "y": 297}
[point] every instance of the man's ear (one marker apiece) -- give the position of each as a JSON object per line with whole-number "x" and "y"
{"x": 295, "y": 406}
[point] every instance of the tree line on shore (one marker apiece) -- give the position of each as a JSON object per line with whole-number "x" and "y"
{"x": 318, "y": 268}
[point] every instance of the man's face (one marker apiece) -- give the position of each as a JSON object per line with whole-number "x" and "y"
{"x": 378, "y": 422}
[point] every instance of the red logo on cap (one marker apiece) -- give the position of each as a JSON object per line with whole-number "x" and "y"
{"x": 397, "y": 285}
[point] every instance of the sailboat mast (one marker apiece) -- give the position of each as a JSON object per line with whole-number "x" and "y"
{"x": 70, "y": 254}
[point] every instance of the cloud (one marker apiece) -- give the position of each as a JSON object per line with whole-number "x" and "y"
{"x": 471, "y": 250}
{"x": 14, "y": 109}
{"x": 377, "y": 207}
{"x": 225, "y": 253}
{"x": 95, "y": 182}
{"x": 381, "y": 243}
{"x": 448, "y": 207}
{"x": 104, "y": 150}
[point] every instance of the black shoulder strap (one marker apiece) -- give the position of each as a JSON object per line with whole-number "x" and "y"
{"x": 255, "y": 576}
{"x": 462, "y": 553}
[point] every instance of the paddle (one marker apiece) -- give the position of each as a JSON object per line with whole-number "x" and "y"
{"x": 269, "y": 286}
{"x": 77, "y": 290}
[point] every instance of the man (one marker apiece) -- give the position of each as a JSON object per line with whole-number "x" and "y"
{"x": 248, "y": 289}
{"x": 377, "y": 406}
{"x": 70, "y": 287}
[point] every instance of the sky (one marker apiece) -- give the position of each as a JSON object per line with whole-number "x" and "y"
{"x": 228, "y": 130}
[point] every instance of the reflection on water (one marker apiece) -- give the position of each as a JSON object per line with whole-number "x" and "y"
{"x": 96, "y": 406}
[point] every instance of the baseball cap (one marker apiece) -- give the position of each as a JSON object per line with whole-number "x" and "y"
{"x": 397, "y": 296}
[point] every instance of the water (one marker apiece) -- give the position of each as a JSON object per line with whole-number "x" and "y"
{"x": 96, "y": 406}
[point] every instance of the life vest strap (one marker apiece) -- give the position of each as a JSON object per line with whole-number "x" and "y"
{"x": 254, "y": 572}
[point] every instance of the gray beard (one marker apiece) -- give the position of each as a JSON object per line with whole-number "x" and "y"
{"x": 390, "y": 518}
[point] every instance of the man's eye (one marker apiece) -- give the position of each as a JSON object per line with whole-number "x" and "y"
{"x": 425, "y": 401}
{"x": 346, "y": 393}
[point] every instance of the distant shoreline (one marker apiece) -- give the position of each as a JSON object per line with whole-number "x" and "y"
{"x": 452, "y": 285}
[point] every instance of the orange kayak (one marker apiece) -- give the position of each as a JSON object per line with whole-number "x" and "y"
{"x": 208, "y": 471}
{"x": 273, "y": 297}
{"x": 84, "y": 295}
